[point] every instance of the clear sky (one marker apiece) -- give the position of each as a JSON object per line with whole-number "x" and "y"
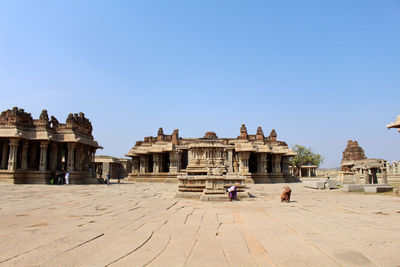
{"x": 319, "y": 72}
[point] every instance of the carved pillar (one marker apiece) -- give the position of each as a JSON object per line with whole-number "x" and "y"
{"x": 12, "y": 154}
{"x": 230, "y": 160}
{"x": 71, "y": 157}
{"x": 24, "y": 155}
{"x": 262, "y": 163}
{"x": 143, "y": 164}
{"x": 4, "y": 156}
{"x": 43, "y": 155}
{"x": 384, "y": 175}
{"x": 53, "y": 156}
{"x": 366, "y": 176}
{"x": 276, "y": 164}
{"x": 175, "y": 160}
{"x": 244, "y": 162}
{"x": 156, "y": 163}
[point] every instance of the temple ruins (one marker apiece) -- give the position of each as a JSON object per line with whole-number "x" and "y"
{"x": 118, "y": 168}
{"x": 31, "y": 149}
{"x": 257, "y": 158}
{"x": 357, "y": 168}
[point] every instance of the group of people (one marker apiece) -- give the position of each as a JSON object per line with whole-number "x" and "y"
{"x": 59, "y": 177}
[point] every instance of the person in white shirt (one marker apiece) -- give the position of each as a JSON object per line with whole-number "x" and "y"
{"x": 67, "y": 177}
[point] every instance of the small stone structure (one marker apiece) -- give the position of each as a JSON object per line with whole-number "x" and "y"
{"x": 32, "y": 149}
{"x": 305, "y": 171}
{"x": 258, "y": 158}
{"x": 116, "y": 167}
{"x": 352, "y": 152}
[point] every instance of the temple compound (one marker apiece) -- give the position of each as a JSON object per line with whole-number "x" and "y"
{"x": 118, "y": 168}
{"x": 257, "y": 158}
{"x": 32, "y": 149}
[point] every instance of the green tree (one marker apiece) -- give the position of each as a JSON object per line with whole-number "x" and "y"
{"x": 305, "y": 156}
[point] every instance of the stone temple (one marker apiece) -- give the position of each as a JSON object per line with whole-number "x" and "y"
{"x": 32, "y": 149}
{"x": 257, "y": 158}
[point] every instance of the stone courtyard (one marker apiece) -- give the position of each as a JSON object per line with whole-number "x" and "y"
{"x": 143, "y": 224}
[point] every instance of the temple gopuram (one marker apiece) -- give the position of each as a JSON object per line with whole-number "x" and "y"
{"x": 258, "y": 158}
{"x": 33, "y": 149}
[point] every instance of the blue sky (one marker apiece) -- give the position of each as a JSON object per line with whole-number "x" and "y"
{"x": 319, "y": 72}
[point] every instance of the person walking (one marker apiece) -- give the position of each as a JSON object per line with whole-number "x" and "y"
{"x": 67, "y": 177}
{"x": 108, "y": 177}
{"x": 60, "y": 179}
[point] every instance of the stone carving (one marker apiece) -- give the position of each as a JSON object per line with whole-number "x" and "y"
{"x": 44, "y": 116}
{"x": 210, "y": 135}
{"x": 272, "y": 136}
{"x": 16, "y": 116}
{"x": 79, "y": 123}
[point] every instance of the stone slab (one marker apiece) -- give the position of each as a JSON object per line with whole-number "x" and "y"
{"x": 314, "y": 184}
{"x": 353, "y": 187}
{"x": 378, "y": 189}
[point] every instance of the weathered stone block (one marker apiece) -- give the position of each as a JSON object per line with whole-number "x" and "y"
{"x": 377, "y": 188}
{"x": 353, "y": 187}
{"x": 314, "y": 184}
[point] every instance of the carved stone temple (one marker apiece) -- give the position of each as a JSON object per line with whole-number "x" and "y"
{"x": 32, "y": 149}
{"x": 256, "y": 158}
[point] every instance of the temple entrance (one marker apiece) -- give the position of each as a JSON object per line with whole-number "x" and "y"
{"x": 253, "y": 163}
{"x": 165, "y": 162}
{"x": 184, "y": 159}
{"x": 150, "y": 163}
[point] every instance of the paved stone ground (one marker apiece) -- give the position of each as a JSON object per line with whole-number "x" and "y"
{"x": 144, "y": 225}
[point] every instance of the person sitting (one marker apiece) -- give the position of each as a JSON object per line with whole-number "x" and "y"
{"x": 285, "y": 196}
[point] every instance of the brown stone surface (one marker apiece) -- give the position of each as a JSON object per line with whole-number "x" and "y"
{"x": 144, "y": 225}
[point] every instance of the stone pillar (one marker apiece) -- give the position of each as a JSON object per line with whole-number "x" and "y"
{"x": 262, "y": 163}
{"x": 175, "y": 160}
{"x": 135, "y": 164}
{"x": 4, "y": 156}
{"x": 366, "y": 176}
{"x": 143, "y": 164}
{"x": 285, "y": 165}
{"x": 309, "y": 172}
{"x": 384, "y": 176}
{"x": 12, "y": 154}
{"x": 43, "y": 155}
{"x": 24, "y": 155}
{"x": 156, "y": 163}
{"x": 230, "y": 160}
{"x": 53, "y": 156}
{"x": 71, "y": 157}
{"x": 276, "y": 164}
{"x": 244, "y": 162}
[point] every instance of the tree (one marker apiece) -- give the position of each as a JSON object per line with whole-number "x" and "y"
{"x": 305, "y": 156}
